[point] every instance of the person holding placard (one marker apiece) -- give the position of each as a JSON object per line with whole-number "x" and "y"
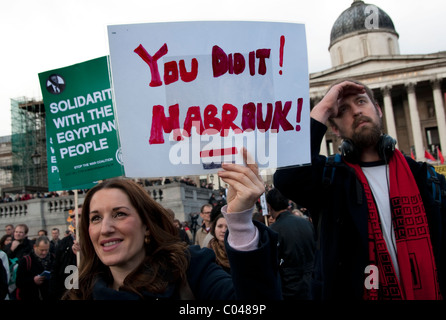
{"x": 130, "y": 248}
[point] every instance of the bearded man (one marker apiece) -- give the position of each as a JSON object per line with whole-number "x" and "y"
{"x": 381, "y": 229}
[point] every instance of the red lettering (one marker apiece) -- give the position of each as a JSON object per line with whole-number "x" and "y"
{"x": 263, "y": 125}
{"x": 212, "y": 124}
{"x": 299, "y": 112}
{"x": 252, "y": 118}
{"x": 252, "y": 63}
{"x": 280, "y": 116}
{"x": 152, "y": 62}
{"x": 189, "y": 76}
{"x": 239, "y": 63}
{"x": 193, "y": 119}
{"x": 170, "y": 72}
{"x": 249, "y": 117}
{"x": 262, "y": 54}
{"x": 230, "y": 64}
{"x": 160, "y": 122}
{"x": 219, "y": 61}
{"x": 228, "y": 115}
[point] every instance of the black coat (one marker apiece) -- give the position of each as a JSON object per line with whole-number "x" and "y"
{"x": 255, "y": 275}
{"x": 296, "y": 255}
{"x": 24, "y": 248}
{"x": 26, "y": 271}
{"x": 341, "y": 209}
{"x": 64, "y": 257}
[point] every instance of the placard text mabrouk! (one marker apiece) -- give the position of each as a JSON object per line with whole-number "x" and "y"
{"x": 190, "y": 95}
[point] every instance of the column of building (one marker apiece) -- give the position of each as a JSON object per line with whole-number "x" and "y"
{"x": 388, "y": 112}
{"x": 415, "y": 121}
{"x": 414, "y": 116}
{"x": 439, "y": 113}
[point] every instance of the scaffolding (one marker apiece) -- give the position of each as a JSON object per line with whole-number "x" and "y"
{"x": 28, "y": 140}
{"x": 5, "y": 162}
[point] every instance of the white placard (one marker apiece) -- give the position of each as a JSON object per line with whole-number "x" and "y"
{"x": 189, "y": 95}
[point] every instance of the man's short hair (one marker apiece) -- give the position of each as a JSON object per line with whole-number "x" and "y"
{"x": 204, "y": 206}
{"x": 276, "y": 200}
{"x": 40, "y": 239}
{"x": 24, "y": 226}
{"x": 368, "y": 91}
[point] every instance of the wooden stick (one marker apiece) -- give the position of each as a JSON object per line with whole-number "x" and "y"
{"x": 76, "y": 214}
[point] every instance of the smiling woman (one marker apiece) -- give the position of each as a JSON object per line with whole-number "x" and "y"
{"x": 130, "y": 248}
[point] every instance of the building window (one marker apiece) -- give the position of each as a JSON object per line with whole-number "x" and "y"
{"x": 364, "y": 47}
{"x": 341, "y": 57}
{"x": 391, "y": 46}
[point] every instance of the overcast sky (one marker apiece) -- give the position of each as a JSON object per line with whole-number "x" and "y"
{"x": 37, "y": 36}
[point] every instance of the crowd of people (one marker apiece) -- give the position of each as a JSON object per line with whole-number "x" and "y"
{"x": 368, "y": 223}
{"x": 35, "y": 268}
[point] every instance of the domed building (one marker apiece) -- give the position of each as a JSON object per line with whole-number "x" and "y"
{"x": 360, "y": 31}
{"x": 408, "y": 87}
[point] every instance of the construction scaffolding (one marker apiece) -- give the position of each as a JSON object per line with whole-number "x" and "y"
{"x": 28, "y": 143}
{"x": 5, "y": 162}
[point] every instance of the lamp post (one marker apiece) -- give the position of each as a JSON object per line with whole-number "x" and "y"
{"x": 36, "y": 157}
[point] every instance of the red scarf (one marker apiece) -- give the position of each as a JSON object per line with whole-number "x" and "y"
{"x": 418, "y": 272}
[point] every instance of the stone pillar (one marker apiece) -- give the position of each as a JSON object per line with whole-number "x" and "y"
{"x": 439, "y": 113}
{"x": 388, "y": 111}
{"x": 415, "y": 121}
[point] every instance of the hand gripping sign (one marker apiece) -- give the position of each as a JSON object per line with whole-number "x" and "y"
{"x": 189, "y": 95}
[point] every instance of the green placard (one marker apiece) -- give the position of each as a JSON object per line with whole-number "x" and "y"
{"x": 81, "y": 130}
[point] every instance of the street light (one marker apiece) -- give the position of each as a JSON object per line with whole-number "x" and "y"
{"x": 36, "y": 158}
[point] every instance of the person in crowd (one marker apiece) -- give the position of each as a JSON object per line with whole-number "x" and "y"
{"x": 4, "y": 241}
{"x": 9, "y": 229}
{"x": 4, "y": 275}
{"x": 296, "y": 248}
{"x": 185, "y": 227}
{"x": 382, "y": 228}
{"x": 42, "y": 233}
{"x": 217, "y": 242}
{"x": 34, "y": 271}
{"x": 183, "y": 235}
{"x": 130, "y": 248}
{"x": 65, "y": 256}
{"x": 21, "y": 245}
{"x": 205, "y": 214}
{"x": 55, "y": 233}
{"x": 216, "y": 210}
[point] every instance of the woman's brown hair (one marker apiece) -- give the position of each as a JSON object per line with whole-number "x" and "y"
{"x": 166, "y": 258}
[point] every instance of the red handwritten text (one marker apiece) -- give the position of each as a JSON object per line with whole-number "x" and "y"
{"x": 172, "y": 72}
{"x": 235, "y": 63}
{"x": 210, "y": 123}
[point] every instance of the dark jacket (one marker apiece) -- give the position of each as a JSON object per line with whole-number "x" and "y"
{"x": 339, "y": 210}
{"x": 296, "y": 255}
{"x": 64, "y": 257}
{"x": 24, "y": 248}
{"x": 27, "y": 270}
{"x": 255, "y": 275}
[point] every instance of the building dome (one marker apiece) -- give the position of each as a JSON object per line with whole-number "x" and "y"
{"x": 354, "y": 20}
{"x": 361, "y": 31}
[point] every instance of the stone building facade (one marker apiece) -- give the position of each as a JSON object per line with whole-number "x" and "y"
{"x": 409, "y": 88}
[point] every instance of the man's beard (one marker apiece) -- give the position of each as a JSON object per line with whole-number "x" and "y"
{"x": 366, "y": 136}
